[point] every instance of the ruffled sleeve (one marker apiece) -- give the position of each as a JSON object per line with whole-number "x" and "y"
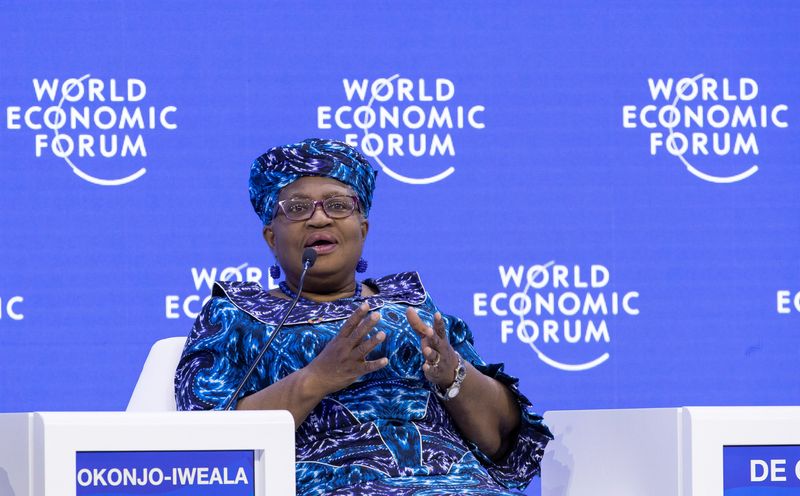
{"x": 521, "y": 464}
{"x": 215, "y": 358}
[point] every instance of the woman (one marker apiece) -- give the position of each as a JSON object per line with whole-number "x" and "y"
{"x": 388, "y": 395}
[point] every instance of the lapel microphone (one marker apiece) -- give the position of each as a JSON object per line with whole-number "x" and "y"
{"x": 309, "y": 257}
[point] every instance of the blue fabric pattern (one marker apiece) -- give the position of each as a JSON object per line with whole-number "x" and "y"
{"x": 386, "y": 433}
{"x": 282, "y": 165}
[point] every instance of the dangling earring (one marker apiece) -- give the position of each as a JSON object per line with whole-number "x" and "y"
{"x": 361, "y": 266}
{"x": 275, "y": 271}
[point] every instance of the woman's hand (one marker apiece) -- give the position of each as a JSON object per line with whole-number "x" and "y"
{"x": 485, "y": 411}
{"x": 343, "y": 360}
{"x": 441, "y": 360}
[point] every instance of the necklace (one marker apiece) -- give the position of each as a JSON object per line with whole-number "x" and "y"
{"x": 292, "y": 295}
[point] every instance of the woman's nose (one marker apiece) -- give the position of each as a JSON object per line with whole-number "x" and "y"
{"x": 319, "y": 217}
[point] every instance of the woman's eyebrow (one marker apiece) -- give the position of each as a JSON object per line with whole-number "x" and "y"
{"x": 329, "y": 194}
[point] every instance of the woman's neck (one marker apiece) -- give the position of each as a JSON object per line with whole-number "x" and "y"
{"x": 316, "y": 294}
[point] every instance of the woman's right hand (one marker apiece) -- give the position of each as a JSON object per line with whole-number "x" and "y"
{"x": 343, "y": 360}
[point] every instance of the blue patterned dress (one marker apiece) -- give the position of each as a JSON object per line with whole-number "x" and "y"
{"x": 387, "y": 433}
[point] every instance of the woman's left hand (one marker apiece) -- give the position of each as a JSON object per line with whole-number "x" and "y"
{"x": 441, "y": 359}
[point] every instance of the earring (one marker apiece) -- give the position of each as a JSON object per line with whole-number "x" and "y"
{"x": 275, "y": 271}
{"x": 361, "y": 266}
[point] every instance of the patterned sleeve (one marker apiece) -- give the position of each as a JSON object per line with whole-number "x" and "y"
{"x": 212, "y": 363}
{"x": 521, "y": 464}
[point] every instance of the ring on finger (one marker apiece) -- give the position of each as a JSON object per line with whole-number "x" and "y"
{"x": 435, "y": 363}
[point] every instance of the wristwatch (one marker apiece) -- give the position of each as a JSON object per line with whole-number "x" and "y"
{"x": 455, "y": 387}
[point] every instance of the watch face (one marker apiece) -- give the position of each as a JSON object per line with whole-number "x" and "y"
{"x": 453, "y": 392}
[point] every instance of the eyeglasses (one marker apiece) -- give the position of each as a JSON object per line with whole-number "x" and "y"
{"x": 335, "y": 207}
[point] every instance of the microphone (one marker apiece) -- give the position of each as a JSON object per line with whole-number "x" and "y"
{"x": 309, "y": 257}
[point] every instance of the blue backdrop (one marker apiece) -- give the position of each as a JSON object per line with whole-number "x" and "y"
{"x": 606, "y": 192}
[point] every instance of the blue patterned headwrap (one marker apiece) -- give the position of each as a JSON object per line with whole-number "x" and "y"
{"x": 283, "y": 165}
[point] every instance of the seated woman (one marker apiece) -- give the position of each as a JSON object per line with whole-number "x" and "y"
{"x": 388, "y": 395}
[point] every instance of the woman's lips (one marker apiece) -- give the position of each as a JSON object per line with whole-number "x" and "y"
{"x": 322, "y": 242}
{"x": 323, "y": 249}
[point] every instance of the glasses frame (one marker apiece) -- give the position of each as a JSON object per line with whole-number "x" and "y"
{"x": 317, "y": 203}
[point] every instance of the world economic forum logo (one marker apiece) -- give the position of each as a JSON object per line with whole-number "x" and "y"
{"x": 788, "y": 301}
{"x": 96, "y": 126}
{"x": 11, "y": 307}
{"x": 698, "y": 118}
{"x": 408, "y": 127}
{"x": 560, "y": 312}
{"x": 188, "y": 304}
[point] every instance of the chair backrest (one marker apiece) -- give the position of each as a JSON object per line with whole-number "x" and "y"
{"x": 155, "y": 389}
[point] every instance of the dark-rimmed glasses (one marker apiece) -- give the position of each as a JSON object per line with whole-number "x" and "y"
{"x": 335, "y": 207}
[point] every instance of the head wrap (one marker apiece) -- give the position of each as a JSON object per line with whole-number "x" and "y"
{"x": 283, "y": 165}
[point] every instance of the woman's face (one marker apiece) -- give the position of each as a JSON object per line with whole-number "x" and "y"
{"x": 338, "y": 242}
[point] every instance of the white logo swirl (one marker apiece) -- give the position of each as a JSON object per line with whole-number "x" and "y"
{"x": 80, "y": 173}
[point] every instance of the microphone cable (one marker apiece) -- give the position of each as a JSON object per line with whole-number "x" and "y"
{"x": 309, "y": 257}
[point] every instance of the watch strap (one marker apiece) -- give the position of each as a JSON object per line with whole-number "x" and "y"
{"x": 455, "y": 388}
